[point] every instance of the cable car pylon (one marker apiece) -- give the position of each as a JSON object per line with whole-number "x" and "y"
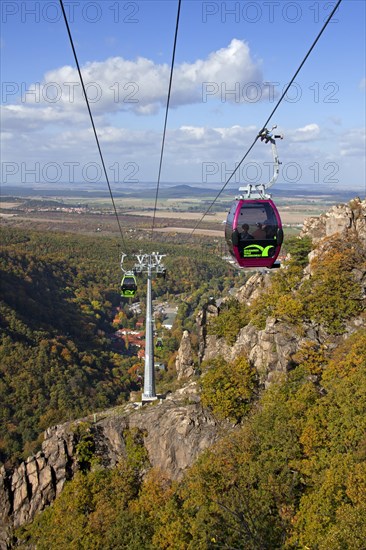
{"x": 150, "y": 264}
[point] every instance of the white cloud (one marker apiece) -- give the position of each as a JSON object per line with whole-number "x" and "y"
{"x": 194, "y": 133}
{"x": 362, "y": 84}
{"x": 353, "y": 143}
{"x": 192, "y": 154}
{"x": 199, "y": 144}
{"x": 31, "y": 118}
{"x": 141, "y": 86}
{"x": 310, "y": 132}
{"x": 6, "y": 136}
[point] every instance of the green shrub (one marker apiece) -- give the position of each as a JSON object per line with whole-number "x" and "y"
{"x": 232, "y": 317}
{"x": 228, "y": 389}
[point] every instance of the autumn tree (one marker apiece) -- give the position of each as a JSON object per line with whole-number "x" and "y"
{"x": 228, "y": 389}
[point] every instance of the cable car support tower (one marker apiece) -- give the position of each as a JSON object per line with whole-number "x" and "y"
{"x": 150, "y": 264}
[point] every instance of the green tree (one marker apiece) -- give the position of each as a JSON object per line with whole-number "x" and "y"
{"x": 333, "y": 441}
{"x": 229, "y": 389}
{"x": 280, "y": 299}
{"x": 299, "y": 249}
{"x": 332, "y": 294}
{"x": 232, "y": 317}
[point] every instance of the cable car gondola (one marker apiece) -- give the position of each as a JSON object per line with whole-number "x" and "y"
{"x": 253, "y": 228}
{"x": 128, "y": 285}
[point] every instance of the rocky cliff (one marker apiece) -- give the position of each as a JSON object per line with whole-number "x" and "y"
{"x": 174, "y": 431}
{"x": 209, "y": 311}
{"x": 271, "y": 350}
{"x": 347, "y": 220}
{"x": 184, "y": 363}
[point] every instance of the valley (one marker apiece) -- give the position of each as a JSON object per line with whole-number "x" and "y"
{"x": 179, "y": 209}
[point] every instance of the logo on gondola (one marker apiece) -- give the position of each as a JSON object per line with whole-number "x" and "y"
{"x": 257, "y": 251}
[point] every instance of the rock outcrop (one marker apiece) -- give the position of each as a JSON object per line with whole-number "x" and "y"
{"x": 208, "y": 311}
{"x": 37, "y": 481}
{"x": 174, "y": 434}
{"x": 252, "y": 288}
{"x": 175, "y": 431}
{"x": 345, "y": 219}
{"x": 271, "y": 350}
{"x": 184, "y": 363}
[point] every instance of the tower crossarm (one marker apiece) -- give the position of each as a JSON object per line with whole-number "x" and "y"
{"x": 151, "y": 261}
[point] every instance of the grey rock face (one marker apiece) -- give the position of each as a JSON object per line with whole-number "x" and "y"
{"x": 344, "y": 219}
{"x": 347, "y": 221}
{"x": 209, "y": 311}
{"x": 176, "y": 430}
{"x": 184, "y": 361}
{"x": 252, "y": 288}
{"x": 271, "y": 350}
{"x": 37, "y": 481}
{"x": 174, "y": 435}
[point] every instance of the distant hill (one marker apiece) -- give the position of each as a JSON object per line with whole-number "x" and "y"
{"x": 167, "y": 191}
{"x": 175, "y": 191}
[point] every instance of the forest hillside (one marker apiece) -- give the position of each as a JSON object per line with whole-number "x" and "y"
{"x": 275, "y": 416}
{"x": 58, "y": 305}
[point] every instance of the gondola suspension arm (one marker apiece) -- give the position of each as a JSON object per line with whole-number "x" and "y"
{"x": 258, "y": 191}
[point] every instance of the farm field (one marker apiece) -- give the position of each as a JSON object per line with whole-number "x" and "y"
{"x": 178, "y": 210}
{"x": 135, "y": 220}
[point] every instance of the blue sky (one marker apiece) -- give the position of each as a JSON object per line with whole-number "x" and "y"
{"x": 233, "y": 59}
